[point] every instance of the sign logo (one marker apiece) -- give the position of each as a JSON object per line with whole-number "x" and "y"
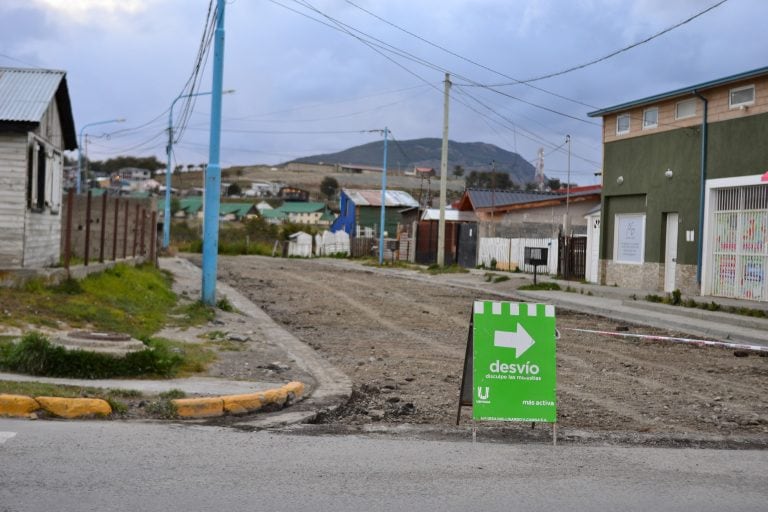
{"x": 513, "y": 361}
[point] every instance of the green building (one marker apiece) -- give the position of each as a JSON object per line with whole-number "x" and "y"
{"x": 685, "y": 190}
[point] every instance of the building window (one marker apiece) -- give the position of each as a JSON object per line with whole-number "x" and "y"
{"x": 742, "y": 97}
{"x": 622, "y": 124}
{"x": 44, "y": 176}
{"x": 651, "y": 118}
{"x": 685, "y": 109}
{"x": 629, "y": 238}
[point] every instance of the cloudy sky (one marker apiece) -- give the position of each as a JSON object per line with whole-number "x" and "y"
{"x": 304, "y": 86}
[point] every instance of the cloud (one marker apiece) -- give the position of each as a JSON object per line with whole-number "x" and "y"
{"x": 87, "y": 11}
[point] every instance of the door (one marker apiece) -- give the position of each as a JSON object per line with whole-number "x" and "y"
{"x": 593, "y": 248}
{"x": 467, "y": 249}
{"x": 670, "y": 253}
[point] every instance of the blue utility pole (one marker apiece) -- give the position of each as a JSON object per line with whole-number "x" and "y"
{"x": 213, "y": 171}
{"x": 383, "y": 199}
{"x": 80, "y": 149}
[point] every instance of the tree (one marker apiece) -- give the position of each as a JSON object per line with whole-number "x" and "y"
{"x": 458, "y": 171}
{"x": 329, "y": 186}
{"x": 234, "y": 190}
{"x": 499, "y": 180}
{"x": 175, "y": 205}
{"x": 553, "y": 184}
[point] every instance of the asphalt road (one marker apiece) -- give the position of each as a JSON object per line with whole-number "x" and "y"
{"x": 105, "y": 466}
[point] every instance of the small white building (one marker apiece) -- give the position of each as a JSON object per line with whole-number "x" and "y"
{"x": 36, "y": 126}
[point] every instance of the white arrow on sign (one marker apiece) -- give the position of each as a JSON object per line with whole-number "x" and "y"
{"x": 520, "y": 340}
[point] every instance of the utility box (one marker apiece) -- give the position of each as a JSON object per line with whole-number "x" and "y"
{"x": 536, "y": 256}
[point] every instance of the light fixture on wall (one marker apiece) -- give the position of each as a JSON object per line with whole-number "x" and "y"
{"x": 668, "y": 173}
{"x": 620, "y": 180}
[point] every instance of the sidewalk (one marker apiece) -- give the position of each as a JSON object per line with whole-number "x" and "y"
{"x": 621, "y": 304}
{"x": 325, "y": 388}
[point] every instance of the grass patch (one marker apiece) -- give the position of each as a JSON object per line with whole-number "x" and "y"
{"x": 35, "y": 355}
{"x": 229, "y": 346}
{"x": 193, "y": 313}
{"x": 490, "y": 277}
{"x": 134, "y": 300}
{"x": 675, "y": 299}
{"x": 451, "y": 269}
{"x": 540, "y": 286}
{"x": 58, "y": 390}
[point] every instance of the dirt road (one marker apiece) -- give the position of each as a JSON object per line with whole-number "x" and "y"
{"x": 402, "y": 343}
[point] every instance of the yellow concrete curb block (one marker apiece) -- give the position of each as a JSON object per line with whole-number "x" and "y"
{"x": 236, "y": 404}
{"x": 242, "y": 404}
{"x": 74, "y": 407}
{"x": 17, "y": 406}
{"x": 199, "y": 407}
{"x": 295, "y": 387}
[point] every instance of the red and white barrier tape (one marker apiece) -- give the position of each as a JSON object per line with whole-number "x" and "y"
{"x": 692, "y": 341}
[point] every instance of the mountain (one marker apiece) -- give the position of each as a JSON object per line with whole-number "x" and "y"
{"x": 406, "y": 154}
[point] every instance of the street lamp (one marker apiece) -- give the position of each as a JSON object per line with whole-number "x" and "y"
{"x": 80, "y": 148}
{"x": 169, "y": 150}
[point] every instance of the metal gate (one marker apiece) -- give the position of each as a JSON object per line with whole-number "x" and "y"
{"x": 572, "y": 257}
{"x": 467, "y": 246}
{"x": 739, "y": 249}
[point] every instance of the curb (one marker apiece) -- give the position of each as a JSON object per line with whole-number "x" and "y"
{"x": 215, "y": 406}
{"x": 22, "y": 406}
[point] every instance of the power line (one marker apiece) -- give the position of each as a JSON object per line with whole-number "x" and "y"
{"x": 466, "y": 59}
{"x": 620, "y": 50}
{"x": 348, "y": 29}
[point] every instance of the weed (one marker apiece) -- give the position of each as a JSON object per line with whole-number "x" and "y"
{"x": 500, "y": 279}
{"x": 451, "y": 269}
{"x": 633, "y": 296}
{"x": 224, "y": 305}
{"x": 493, "y": 263}
{"x": 162, "y": 408}
{"x": 540, "y": 286}
{"x": 676, "y": 297}
{"x": 569, "y": 289}
{"x": 119, "y": 408}
{"x": 173, "y": 394}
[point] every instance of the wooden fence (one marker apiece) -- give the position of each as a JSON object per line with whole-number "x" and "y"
{"x": 107, "y": 228}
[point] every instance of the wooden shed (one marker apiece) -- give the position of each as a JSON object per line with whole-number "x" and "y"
{"x": 36, "y": 126}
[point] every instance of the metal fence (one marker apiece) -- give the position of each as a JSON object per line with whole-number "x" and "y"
{"x": 739, "y": 236}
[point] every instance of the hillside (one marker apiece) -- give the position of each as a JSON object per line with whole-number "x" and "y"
{"x": 472, "y": 156}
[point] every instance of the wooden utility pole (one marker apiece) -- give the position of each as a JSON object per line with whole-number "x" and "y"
{"x": 443, "y": 176}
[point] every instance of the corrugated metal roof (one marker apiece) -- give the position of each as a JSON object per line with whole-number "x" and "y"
{"x": 373, "y": 198}
{"x": 300, "y": 207}
{"x": 681, "y": 92}
{"x": 26, "y": 93}
{"x": 450, "y": 215}
{"x": 499, "y": 198}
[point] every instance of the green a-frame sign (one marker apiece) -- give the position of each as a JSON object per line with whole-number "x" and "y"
{"x": 510, "y": 370}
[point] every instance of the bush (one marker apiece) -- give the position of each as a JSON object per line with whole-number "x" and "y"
{"x": 35, "y": 355}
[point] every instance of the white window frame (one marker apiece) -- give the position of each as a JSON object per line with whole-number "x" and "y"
{"x": 629, "y": 124}
{"x": 618, "y": 220}
{"x": 648, "y": 126}
{"x": 731, "y": 104}
{"x": 686, "y": 102}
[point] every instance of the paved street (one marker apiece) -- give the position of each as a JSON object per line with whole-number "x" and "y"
{"x": 105, "y": 466}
